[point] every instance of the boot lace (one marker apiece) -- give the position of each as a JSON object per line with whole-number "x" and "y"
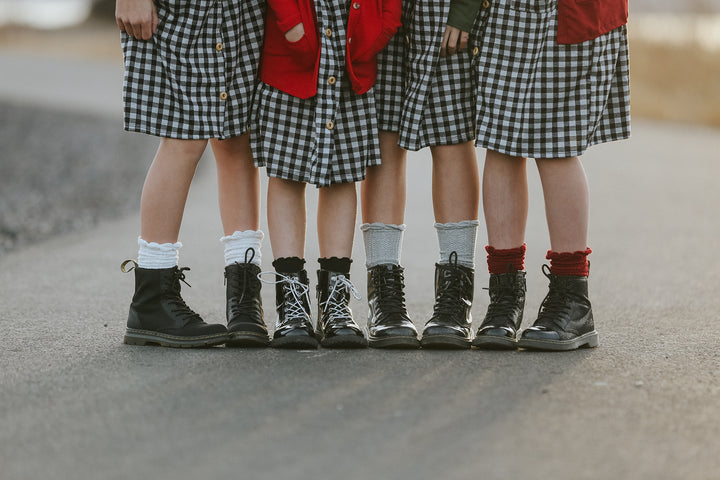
{"x": 242, "y": 281}
{"x": 555, "y": 306}
{"x": 450, "y": 293}
{"x": 296, "y": 296}
{"x": 503, "y": 301}
{"x": 391, "y": 291}
{"x": 336, "y": 307}
{"x": 175, "y": 300}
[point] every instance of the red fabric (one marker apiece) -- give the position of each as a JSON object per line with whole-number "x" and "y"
{"x": 506, "y": 260}
{"x": 293, "y": 67}
{"x": 583, "y": 20}
{"x": 569, "y": 263}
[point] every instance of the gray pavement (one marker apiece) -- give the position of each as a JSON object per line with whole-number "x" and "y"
{"x": 77, "y": 403}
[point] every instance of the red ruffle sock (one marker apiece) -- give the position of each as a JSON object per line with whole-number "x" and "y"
{"x": 506, "y": 260}
{"x": 569, "y": 263}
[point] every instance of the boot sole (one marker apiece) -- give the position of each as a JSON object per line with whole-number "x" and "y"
{"x": 294, "y": 342}
{"x": 149, "y": 338}
{"x": 444, "y": 342}
{"x": 586, "y": 340}
{"x": 400, "y": 343}
{"x": 346, "y": 341}
{"x": 247, "y": 340}
{"x": 494, "y": 343}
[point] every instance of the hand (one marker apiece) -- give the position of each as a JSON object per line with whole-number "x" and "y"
{"x": 138, "y": 18}
{"x": 295, "y": 33}
{"x": 454, "y": 40}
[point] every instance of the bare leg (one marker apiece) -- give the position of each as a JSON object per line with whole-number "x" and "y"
{"x": 383, "y": 190}
{"x": 238, "y": 184}
{"x": 286, "y": 217}
{"x": 166, "y": 188}
{"x": 337, "y": 207}
{"x": 567, "y": 203}
{"x": 505, "y": 199}
{"x": 455, "y": 183}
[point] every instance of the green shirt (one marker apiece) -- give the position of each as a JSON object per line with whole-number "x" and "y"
{"x": 462, "y": 13}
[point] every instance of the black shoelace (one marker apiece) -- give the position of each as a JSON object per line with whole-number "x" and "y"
{"x": 244, "y": 282}
{"x": 391, "y": 296}
{"x": 175, "y": 300}
{"x": 556, "y": 305}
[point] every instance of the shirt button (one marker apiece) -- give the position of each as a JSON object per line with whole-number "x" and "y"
{"x": 485, "y": 4}
{"x": 330, "y": 125}
{"x": 407, "y": 39}
{"x": 332, "y": 80}
{"x": 475, "y": 50}
{"x": 219, "y": 47}
{"x": 328, "y": 32}
{"x": 223, "y": 96}
{"x": 356, "y": 5}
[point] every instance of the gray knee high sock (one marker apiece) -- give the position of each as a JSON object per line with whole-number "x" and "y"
{"x": 383, "y": 243}
{"x": 460, "y": 238}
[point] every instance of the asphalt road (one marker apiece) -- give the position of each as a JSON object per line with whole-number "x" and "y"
{"x": 77, "y": 403}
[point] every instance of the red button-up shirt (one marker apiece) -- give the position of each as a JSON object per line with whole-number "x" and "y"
{"x": 583, "y": 20}
{"x": 293, "y": 67}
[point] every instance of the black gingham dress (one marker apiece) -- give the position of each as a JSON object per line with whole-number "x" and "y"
{"x": 543, "y": 100}
{"x": 196, "y": 77}
{"x": 437, "y": 103}
{"x": 327, "y": 139}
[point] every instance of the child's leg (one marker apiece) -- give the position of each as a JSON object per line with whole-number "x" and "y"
{"x": 166, "y": 188}
{"x": 286, "y": 217}
{"x": 456, "y": 192}
{"x": 337, "y": 206}
{"x": 565, "y": 190}
{"x": 383, "y": 194}
{"x": 158, "y": 314}
{"x": 238, "y": 184}
{"x": 505, "y": 204}
{"x": 565, "y": 321}
{"x": 286, "y": 225}
{"x": 239, "y": 201}
{"x": 505, "y": 200}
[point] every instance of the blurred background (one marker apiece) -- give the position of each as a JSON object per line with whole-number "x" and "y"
{"x": 89, "y": 169}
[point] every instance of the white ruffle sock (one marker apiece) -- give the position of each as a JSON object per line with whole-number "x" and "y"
{"x": 238, "y": 245}
{"x": 460, "y": 238}
{"x": 383, "y": 243}
{"x": 157, "y": 255}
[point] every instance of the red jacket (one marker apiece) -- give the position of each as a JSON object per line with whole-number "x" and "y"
{"x": 583, "y": 20}
{"x": 293, "y": 67}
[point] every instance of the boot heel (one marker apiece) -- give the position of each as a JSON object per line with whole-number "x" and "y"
{"x": 592, "y": 340}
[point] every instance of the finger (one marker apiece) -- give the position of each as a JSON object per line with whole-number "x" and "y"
{"x": 453, "y": 41}
{"x": 137, "y": 31}
{"x": 444, "y": 46}
{"x": 146, "y": 30}
{"x": 464, "y": 36}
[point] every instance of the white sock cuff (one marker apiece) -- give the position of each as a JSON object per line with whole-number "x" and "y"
{"x": 457, "y": 225}
{"x": 238, "y": 244}
{"x": 365, "y": 227}
{"x": 153, "y": 255}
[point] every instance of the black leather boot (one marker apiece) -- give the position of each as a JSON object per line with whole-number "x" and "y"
{"x": 565, "y": 320}
{"x": 388, "y": 323}
{"x": 159, "y": 315}
{"x": 335, "y": 325}
{"x": 293, "y": 326}
{"x": 450, "y": 324}
{"x": 498, "y": 330}
{"x": 244, "y": 311}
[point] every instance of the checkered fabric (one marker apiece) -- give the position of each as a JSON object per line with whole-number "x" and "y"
{"x": 329, "y": 138}
{"x": 439, "y": 100}
{"x": 390, "y": 82}
{"x": 543, "y": 100}
{"x": 196, "y": 77}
